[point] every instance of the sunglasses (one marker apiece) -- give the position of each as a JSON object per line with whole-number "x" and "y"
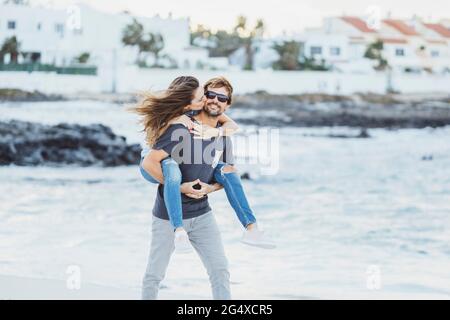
{"x": 221, "y": 97}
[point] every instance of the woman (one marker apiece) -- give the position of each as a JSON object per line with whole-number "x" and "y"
{"x": 184, "y": 97}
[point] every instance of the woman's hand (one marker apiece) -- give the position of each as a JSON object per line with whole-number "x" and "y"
{"x": 197, "y": 193}
{"x": 207, "y": 188}
{"x": 184, "y": 120}
{"x": 203, "y": 131}
{"x": 188, "y": 189}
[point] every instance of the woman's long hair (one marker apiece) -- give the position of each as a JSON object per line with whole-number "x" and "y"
{"x": 158, "y": 109}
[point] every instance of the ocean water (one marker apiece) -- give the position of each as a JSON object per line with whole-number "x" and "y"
{"x": 353, "y": 218}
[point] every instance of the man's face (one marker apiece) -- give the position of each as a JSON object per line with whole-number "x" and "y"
{"x": 213, "y": 107}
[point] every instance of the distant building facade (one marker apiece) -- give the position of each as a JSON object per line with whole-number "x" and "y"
{"x": 408, "y": 45}
{"x": 57, "y": 36}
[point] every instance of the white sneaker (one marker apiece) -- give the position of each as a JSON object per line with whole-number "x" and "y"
{"x": 255, "y": 237}
{"x": 181, "y": 241}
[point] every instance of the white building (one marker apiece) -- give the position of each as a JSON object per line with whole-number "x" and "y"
{"x": 263, "y": 55}
{"x": 407, "y": 45}
{"x": 53, "y": 35}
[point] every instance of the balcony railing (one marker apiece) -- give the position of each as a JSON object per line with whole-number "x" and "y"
{"x": 38, "y": 67}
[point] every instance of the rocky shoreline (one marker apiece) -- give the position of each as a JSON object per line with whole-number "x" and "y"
{"x": 362, "y": 110}
{"x": 17, "y": 95}
{"x": 32, "y": 144}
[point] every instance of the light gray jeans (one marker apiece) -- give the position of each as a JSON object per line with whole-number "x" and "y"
{"x": 206, "y": 240}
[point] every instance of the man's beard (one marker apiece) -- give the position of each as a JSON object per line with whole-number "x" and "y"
{"x": 212, "y": 113}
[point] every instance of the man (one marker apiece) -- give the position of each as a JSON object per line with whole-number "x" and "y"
{"x": 197, "y": 159}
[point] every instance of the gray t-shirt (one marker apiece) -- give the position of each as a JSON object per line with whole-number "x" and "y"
{"x": 197, "y": 159}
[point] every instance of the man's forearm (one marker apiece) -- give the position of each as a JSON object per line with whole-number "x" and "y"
{"x": 154, "y": 169}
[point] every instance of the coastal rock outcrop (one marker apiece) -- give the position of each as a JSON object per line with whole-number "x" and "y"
{"x": 32, "y": 144}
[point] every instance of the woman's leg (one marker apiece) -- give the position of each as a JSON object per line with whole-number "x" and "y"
{"x": 226, "y": 175}
{"x": 172, "y": 195}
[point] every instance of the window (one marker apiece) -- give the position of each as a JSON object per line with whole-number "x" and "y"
{"x": 435, "y": 53}
{"x": 59, "y": 28}
{"x": 11, "y": 25}
{"x": 400, "y": 52}
{"x": 335, "y": 51}
{"x": 316, "y": 50}
{"x": 78, "y": 31}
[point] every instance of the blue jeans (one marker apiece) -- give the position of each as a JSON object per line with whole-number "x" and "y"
{"x": 172, "y": 195}
{"x": 232, "y": 184}
{"x": 230, "y": 181}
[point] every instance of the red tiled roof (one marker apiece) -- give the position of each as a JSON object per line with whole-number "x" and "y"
{"x": 393, "y": 40}
{"x": 439, "y": 28}
{"x": 401, "y": 26}
{"x": 359, "y": 24}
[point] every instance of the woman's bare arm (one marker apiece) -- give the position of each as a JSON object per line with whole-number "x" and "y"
{"x": 229, "y": 127}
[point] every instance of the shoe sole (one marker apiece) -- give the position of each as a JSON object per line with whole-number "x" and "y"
{"x": 263, "y": 246}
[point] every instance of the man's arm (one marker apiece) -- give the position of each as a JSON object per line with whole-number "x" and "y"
{"x": 152, "y": 164}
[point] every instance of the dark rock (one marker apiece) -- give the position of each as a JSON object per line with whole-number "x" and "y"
{"x": 363, "y": 133}
{"x": 25, "y": 96}
{"x": 32, "y": 144}
{"x": 318, "y": 110}
{"x": 245, "y": 176}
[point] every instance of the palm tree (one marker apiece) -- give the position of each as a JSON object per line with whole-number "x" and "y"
{"x": 132, "y": 36}
{"x": 241, "y": 25}
{"x": 247, "y": 38}
{"x": 11, "y": 46}
{"x": 153, "y": 43}
{"x": 289, "y": 52}
{"x": 374, "y": 51}
{"x": 201, "y": 32}
{"x": 83, "y": 58}
{"x": 259, "y": 29}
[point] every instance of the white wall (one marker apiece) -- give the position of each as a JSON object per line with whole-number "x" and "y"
{"x": 132, "y": 79}
{"x": 96, "y": 32}
{"x": 27, "y": 32}
{"x": 326, "y": 42}
{"x": 49, "y": 82}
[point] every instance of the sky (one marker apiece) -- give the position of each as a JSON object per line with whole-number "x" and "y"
{"x": 280, "y": 16}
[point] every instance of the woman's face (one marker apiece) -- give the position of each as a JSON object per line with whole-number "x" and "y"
{"x": 199, "y": 100}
